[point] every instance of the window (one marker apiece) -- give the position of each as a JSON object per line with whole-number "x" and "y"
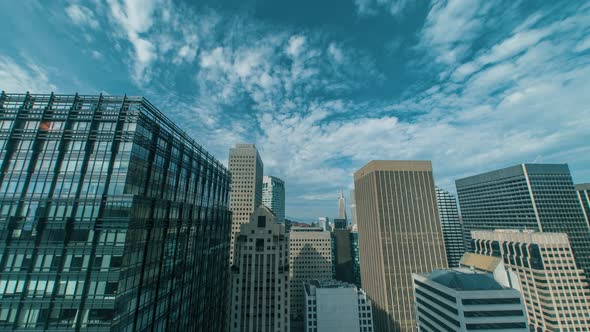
{"x": 261, "y": 221}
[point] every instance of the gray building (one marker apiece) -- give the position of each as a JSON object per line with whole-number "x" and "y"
{"x": 246, "y": 169}
{"x": 341, "y": 206}
{"x": 273, "y": 196}
{"x": 352, "y": 208}
{"x": 399, "y": 233}
{"x": 539, "y": 197}
{"x": 462, "y": 300}
{"x": 451, "y": 226}
{"x": 583, "y": 191}
{"x": 332, "y": 305}
{"x": 111, "y": 218}
{"x": 343, "y": 259}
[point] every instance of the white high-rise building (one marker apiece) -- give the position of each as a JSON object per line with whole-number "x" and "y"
{"x": 260, "y": 275}
{"x": 341, "y": 206}
{"x": 245, "y": 196}
{"x": 324, "y": 223}
{"x": 352, "y": 207}
{"x": 332, "y": 305}
{"x": 310, "y": 258}
{"x": 451, "y": 226}
{"x": 273, "y": 196}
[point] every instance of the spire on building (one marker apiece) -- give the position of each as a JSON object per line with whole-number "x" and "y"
{"x": 341, "y": 206}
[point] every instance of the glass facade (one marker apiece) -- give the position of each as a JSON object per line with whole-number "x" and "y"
{"x": 583, "y": 191}
{"x": 111, "y": 218}
{"x": 451, "y": 226}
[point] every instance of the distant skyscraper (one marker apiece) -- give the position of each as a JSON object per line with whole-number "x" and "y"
{"x": 324, "y": 223}
{"x": 310, "y": 258}
{"x": 554, "y": 289}
{"x": 273, "y": 196}
{"x": 539, "y": 197}
{"x": 583, "y": 191}
{"x": 111, "y": 218}
{"x": 260, "y": 276}
{"x": 343, "y": 260}
{"x": 246, "y": 169}
{"x": 352, "y": 207}
{"x": 332, "y": 305}
{"x": 464, "y": 300}
{"x": 451, "y": 226}
{"x": 356, "y": 261}
{"x": 341, "y": 206}
{"x": 399, "y": 233}
{"x": 339, "y": 224}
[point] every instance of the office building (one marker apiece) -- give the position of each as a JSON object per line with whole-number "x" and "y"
{"x": 539, "y": 197}
{"x": 343, "y": 261}
{"x": 339, "y": 224}
{"x": 246, "y": 169}
{"x": 583, "y": 191}
{"x": 490, "y": 264}
{"x": 399, "y": 234}
{"x": 352, "y": 208}
{"x": 332, "y": 305}
{"x": 324, "y": 223}
{"x": 260, "y": 275}
{"x": 310, "y": 258}
{"x": 356, "y": 260}
{"x": 111, "y": 217}
{"x": 451, "y": 226}
{"x": 341, "y": 206}
{"x": 462, "y": 300}
{"x": 554, "y": 289}
{"x": 273, "y": 196}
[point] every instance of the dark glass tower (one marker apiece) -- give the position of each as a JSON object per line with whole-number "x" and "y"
{"x": 451, "y": 226}
{"x": 111, "y": 218}
{"x": 539, "y": 197}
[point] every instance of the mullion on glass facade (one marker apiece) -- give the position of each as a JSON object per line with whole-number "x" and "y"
{"x": 110, "y": 218}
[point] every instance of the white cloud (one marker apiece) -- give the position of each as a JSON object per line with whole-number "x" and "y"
{"x": 96, "y": 55}
{"x": 295, "y": 45}
{"x": 82, "y": 15}
{"x": 372, "y": 7}
{"x": 15, "y": 77}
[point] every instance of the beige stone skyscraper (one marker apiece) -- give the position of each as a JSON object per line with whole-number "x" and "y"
{"x": 399, "y": 234}
{"x": 246, "y": 169}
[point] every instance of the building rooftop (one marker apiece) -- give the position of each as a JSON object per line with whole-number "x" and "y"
{"x": 583, "y": 186}
{"x": 464, "y": 280}
{"x": 307, "y": 229}
{"x": 393, "y": 165}
{"x": 523, "y": 236}
{"x": 480, "y": 262}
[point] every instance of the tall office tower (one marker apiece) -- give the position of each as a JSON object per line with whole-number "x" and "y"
{"x": 245, "y": 196}
{"x": 324, "y": 223}
{"x": 332, "y": 305}
{"x": 341, "y": 206}
{"x": 343, "y": 261}
{"x": 310, "y": 258}
{"x": 340, "y": 224}
{"x": 583, "y": 191}
{"x": 260, "y": 275}
{"x": 540, "y": 197}
{"x": 356, "y": 261}
{"x": 399, "y": 234}
{"x": 463, "y": 300}
{"x": 352, "y": 207}
{"x": 273, "y": 196}
{"x": 555, "y": 290}
{"x": 451, "y": 226}
{"x": 111, "y": 218}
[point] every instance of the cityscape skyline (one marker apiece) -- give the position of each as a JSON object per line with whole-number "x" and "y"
{"x": 320, "y": 94}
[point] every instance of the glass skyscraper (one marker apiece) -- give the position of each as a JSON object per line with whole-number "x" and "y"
{"x": 451, "y": 226}
{"x": 583, "y": 191}
{"x": 538, "y": 197}
{"x": 111, "y": 218}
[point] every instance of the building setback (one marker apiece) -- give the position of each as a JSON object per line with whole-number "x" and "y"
{"x": 555, "y": 290}
{"x": 310, "y": 258}
{"x": 539, "y": 197}
{"x": 111, "y": 217}
{"x": 273, "y": 196}
{"x": 583, "y": 191}
{"x": 246, "y": 169}
{"x": 332, "y": 305}
{"x": 451, "y": 226}
{"x": 399, "y": 233}
{"x": 260, "y": 275}
{"x": 462, "y": 300}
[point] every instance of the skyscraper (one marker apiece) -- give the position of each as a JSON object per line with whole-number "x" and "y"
{"x": 451, "y": 226}
{"x": 260, "y": 276}
{"x": 273, "y": 196}
{"x": 356, "y": 261}
{"x": 111, "y": 217}
{"x": 583, "y": 191}
{"x": 540, "y": 197}
{"x": 554, "y": 289}
{"x": 399, "y": 234}
{"x": 352, "y": 208}
{"x": 310, "y": 257}
{"x": 341, "y": 206}
{"x": 246, "y": 169}
{"x": 343, "y": 260}
{"x": 324, "y": 223}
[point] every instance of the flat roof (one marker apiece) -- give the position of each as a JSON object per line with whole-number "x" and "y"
{"x": 393, "y": 165}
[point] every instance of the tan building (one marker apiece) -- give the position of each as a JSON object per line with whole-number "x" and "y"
{"x": 399, "y": 234}
{"x": 554, "y": 289}
{"x": 245, "y": 196}
{"x": 310, "y": 257}
{"x": 260, "y": 275}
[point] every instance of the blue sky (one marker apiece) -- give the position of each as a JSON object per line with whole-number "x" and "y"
{"x": 322, "y": 87}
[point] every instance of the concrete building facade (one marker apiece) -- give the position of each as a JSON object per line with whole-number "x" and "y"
{"x": 332, "y": 305}
{"x": 352, "y": 208}
{"x": 399, "y": 234}
{"x": 273, "y": 196}
{"x": 246, "y": 169}
{"x": 260, "y": 276}
{"x": 451, "y": 226}
{"x": 554, "y": 289}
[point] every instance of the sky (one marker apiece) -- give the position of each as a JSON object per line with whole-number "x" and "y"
{"x": 323, "y": 87}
